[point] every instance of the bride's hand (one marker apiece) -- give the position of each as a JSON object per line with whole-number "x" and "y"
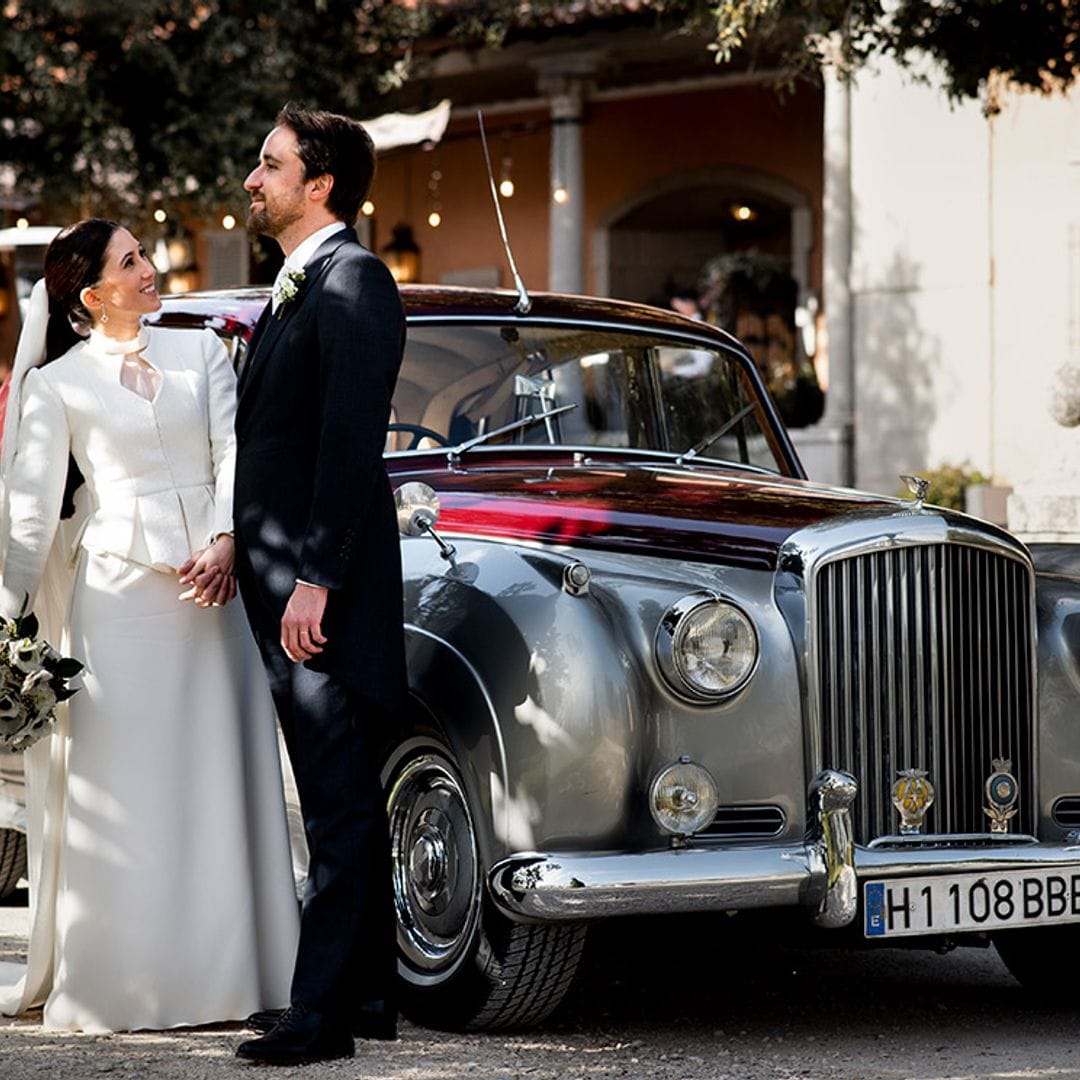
{"x": 208, "y": 573}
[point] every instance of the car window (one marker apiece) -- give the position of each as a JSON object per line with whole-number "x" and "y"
{"x": 702, "y": 392}
{"x": 636, "y": 391}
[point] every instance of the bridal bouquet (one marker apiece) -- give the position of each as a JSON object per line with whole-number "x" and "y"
{"x": 33, "y": 681}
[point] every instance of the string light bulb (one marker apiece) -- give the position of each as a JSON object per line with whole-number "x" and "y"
{"x": 561, "y": 195}
{"x": 160, "y": 216}
{"x": 367, "y": 208}
{"x": 506, "y": 180}
{"x": 228, "y": 223}
{"x": 434, "y": 218}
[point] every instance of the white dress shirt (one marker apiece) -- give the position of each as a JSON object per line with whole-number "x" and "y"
{"x": 301, "y": 255}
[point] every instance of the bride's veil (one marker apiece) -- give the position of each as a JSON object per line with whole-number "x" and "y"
{"x": 51, "y": 603}
{"x": 45, "y": 763}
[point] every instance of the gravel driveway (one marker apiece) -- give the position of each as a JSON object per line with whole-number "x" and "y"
{"x": 690, "y": 1000}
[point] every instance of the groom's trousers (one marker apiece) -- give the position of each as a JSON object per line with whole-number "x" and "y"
{"x": 346, "y": 956}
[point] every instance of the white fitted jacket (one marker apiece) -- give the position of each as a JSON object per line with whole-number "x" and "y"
{"x": 159, "y": 474}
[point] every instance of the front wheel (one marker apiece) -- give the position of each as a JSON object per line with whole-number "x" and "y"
{"x": 1040, "y": 958}
{"x": 462, "y": 965}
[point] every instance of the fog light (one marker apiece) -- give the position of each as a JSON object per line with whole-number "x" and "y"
{"x": 683, "y": 798}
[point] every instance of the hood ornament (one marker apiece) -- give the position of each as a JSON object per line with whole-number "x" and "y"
{"x": 1002, "y": 794}
{"x": 912, "y": 795}
{"x": 918, "y": 487}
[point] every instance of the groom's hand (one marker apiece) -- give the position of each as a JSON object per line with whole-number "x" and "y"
{"x": 301, "y": 625}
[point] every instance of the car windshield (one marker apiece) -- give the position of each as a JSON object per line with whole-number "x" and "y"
{"x": 633, "y": 391}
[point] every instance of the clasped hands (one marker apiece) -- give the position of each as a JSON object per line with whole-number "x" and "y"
{"x": 209, "y": 574}
{"x": 211, "y": 583}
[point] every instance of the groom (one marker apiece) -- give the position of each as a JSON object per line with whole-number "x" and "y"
{"x": 318, "y": 565}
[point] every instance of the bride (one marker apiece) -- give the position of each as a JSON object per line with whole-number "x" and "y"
{"x": 161, "y": 884}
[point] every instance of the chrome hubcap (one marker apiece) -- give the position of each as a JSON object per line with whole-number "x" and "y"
{"x": 435, "y": 868}
{"x": 428, "y": 864}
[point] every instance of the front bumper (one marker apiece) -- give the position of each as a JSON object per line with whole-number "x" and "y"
{"x": 820, "y": 874}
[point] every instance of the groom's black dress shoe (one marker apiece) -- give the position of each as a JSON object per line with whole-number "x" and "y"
{"x": 299, "y": 1037}
{"x": 373, "y": 1020}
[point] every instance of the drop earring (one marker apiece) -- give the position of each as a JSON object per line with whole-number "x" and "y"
{"x": 104, "y": 315}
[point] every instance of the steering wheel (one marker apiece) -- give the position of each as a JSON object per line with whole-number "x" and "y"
{"x": 418, "y": 432}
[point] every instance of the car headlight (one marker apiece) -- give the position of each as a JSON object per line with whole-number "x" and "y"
{"x": 707, "y": 647}
{"x": 683, "y": 798}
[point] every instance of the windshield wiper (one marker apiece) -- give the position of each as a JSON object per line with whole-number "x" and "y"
{"x": 719, "y": 434}
{"x": 455, "y": 452}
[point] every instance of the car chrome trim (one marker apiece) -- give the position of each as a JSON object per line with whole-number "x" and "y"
{"x": 569, "y": 886}
{"x": 578, "y": 886}
{"x": 915, "y": 589}
{"x": 667, "y": 631}
{"x": 831, "y": 796}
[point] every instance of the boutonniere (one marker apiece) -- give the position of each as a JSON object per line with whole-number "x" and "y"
{"x": 288, "y": 287}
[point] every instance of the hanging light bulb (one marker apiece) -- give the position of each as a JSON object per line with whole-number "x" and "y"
{"x": 434, "y": 218}
{"x": 160, "y": 216}
{"x": 228, "y": 223}
{"x": 561, "y": 195}
{"x": 367, "y": 208}
{"x": 506, "y": 180}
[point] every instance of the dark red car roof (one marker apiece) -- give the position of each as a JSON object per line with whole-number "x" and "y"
{"x": 241, "y": 307}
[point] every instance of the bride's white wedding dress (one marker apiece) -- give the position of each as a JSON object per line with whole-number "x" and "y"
{"x": 161, "y": 883}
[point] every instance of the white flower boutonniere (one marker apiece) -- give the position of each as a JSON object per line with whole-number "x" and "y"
{"x": 287, "y": 287}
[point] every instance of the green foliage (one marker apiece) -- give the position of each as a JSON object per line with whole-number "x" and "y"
{"x": 109, "y": 103}
{"x": 979, "y": 44}
{"x": 948, "y": 483}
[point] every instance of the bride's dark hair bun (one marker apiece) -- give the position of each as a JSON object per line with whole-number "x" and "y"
{"x": 73, "y": 261}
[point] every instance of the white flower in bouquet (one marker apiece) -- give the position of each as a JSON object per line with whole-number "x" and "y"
{"x": 33, "y": 681}
{"x": 25, "y": 655}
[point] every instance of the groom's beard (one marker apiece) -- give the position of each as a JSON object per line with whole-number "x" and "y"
{"x": 264, "y": 221}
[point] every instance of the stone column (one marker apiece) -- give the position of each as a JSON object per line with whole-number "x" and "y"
{"x": 566, "y": 81}
{"x": 837, "y": 238}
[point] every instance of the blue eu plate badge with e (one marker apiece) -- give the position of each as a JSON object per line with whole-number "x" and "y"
{"x": 874, "y": 905}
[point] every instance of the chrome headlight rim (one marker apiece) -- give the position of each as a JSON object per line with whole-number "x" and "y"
{"x": 668, "y": 632}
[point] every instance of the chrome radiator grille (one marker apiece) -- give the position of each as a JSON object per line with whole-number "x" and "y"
{"x": 923, "y": 659}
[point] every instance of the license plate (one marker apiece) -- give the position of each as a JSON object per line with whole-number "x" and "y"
{"x": 933, "y": 905}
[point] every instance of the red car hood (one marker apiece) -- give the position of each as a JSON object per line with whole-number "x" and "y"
{"x": 704, "y": 514}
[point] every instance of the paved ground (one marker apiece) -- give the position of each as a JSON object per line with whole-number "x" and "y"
{"x": 679, "y": 1000}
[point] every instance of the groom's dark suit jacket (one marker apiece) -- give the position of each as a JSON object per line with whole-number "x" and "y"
{"x": 313, "y": 500}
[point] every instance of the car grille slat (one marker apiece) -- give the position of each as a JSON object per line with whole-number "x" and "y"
{"x": 924, "y": 660}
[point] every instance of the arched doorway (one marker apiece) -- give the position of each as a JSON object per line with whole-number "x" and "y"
{"x": 673, "y": 226}
{"x": 740, "y": 240}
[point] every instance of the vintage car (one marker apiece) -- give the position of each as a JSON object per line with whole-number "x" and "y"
{"x": 655, "y": 669}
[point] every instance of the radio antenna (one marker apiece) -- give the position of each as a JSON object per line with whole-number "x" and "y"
{"x": 524, "y": 302}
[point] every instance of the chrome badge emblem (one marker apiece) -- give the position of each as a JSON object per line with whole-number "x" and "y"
{"x": 912, "y": 795}
{"x": 1002, "y": 793}
{"x": 918, "y": 487}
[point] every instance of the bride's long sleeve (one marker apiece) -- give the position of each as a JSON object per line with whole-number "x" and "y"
{"x": 35, "y": 491}
{"x": 221, "y": 399}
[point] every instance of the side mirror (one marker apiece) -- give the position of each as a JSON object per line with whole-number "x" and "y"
{"x": 417, "y": 508}
{"x": 417, "y": 511}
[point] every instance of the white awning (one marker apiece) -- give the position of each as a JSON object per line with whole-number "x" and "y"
{"x": 409, "y": 129}
{"x": 30, "y": 236}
